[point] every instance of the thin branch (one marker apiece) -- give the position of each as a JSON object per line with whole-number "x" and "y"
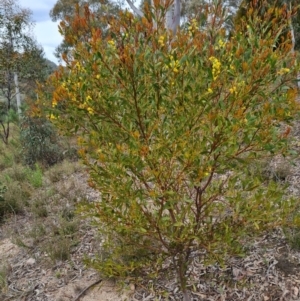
{"x": 86, "y": 289}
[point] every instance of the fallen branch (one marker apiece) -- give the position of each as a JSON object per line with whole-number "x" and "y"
{"x": 86, "y": 289}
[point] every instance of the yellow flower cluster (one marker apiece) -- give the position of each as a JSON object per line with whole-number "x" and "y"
{"x": 112, "y": 44}
{"x": 216, "y": 67}
{"x": 85, "y": 105}
{"x": 91, "y": 110}
{"x": 283, "y": 71}
{"x": 161, "y": 41}
{"x": 174, "y": 65}
{"x": 233, "y": 90}
{"x": 52, "y": 117}
{"x": 209, "y": 91}
{"x": 221, "y": 44}
{"x": 79, "y": 67}
{"x": 207, "y": 171}
{"x": 193, "y": 26}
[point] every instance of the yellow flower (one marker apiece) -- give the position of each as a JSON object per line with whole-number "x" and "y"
{"x": 161, "y": 41}
{"x": 233, "y": 90}
{"x": 209, "y": 91}
{"x": 174, "y": 65}
{"x": 88, "y": 98}
{"x": 51, "y": 116}
{"x": 111, "y": 44}
{"x": 207, "y": 171}
{"x": 91, "y": 110}
{"x": 283, "y": 71}
{"x": 221, "y": 43}
{"x": 78, "y": 66}
{"x": 192, "y": 27}
{"x": 54, "y": 103}
{"x": 216, "y": 67}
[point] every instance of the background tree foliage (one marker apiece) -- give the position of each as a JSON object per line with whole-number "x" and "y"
{"x": 289, "y": 10}
{"x": 21, "y": 60}
{"x": 66, "y": 10}
{"x": 168, "y": 126}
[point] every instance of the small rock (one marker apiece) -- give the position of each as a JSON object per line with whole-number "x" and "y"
{"x": 132, "y": 287}
{"x": 30, "y": 261}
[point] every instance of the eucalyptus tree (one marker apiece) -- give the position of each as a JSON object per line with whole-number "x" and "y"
{"x": 18, "y": 56}
{"x": 65, "y": 10}
{"x": 170, "y": 14}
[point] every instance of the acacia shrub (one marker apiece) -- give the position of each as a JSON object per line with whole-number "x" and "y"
{"x": 167, "y": 126}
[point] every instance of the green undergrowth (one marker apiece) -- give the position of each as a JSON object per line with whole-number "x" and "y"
{"x": 54, "y": 227}
{"x": 20, "y": 181}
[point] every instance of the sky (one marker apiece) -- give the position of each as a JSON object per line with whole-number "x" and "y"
{"x": 45, "y": 31}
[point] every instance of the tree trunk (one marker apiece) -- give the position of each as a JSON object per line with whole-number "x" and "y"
{"x": 172, "y": 17}
{"x": 18, "y": 96}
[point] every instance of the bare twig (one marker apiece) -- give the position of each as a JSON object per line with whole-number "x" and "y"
{"x": 87, "y": 288}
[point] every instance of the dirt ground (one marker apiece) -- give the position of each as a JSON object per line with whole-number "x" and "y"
{"x": 31, "y": 275}
{"x": 31, "y": 279}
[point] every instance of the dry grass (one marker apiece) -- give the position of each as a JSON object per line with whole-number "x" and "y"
{"x": 47, "y": 196}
